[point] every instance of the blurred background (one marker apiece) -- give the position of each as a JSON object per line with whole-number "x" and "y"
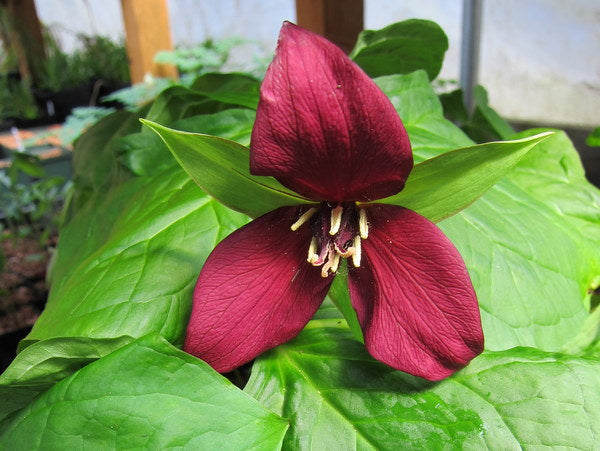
{"x": 539, "y": 58}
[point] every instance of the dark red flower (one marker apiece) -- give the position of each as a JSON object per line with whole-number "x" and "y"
{"x": 325, "y": 130}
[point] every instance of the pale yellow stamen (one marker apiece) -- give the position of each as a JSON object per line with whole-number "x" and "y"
{"x": 363, "y": 226}
{"x": 336, "y": 263}
{"x": 312, "y": 251}
{"x": 357, "y": 252}
{"x": 336, "y": 220}
{"x": 302, "y": 219}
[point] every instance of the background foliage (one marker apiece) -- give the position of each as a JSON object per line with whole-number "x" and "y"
{"x": 101, "y": 365}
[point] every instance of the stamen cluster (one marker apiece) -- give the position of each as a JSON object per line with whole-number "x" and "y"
{"x": 337, "y": 230}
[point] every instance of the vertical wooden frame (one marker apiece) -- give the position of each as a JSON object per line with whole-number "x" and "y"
{"x": 340, "y": 21}
{"x": 147, "y": 32}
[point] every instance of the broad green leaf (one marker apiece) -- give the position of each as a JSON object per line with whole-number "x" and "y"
{"x": 237, "y": 89}
{"x": 529, "y": 255}
{"x": 221, "y": 168}
{"x": 147, "y": 394}
{"x": 146, "y": 233}
{"x": 421, "y": 112}
{"x": 47, "y": 362}
{"x": 94, "y": 165}
{"x": 125, "y": 267}
{"x": 530, "y": 268}
{"x": 401, "y": 48}
{"x": 442, "y": 186}
{"x": 178, "y": 102}
{"x": 134, "y": 275}
{"x": 553, "y": 173}
{"x": 338, "y": 397}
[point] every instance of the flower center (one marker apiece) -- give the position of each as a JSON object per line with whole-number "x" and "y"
{"x": 337, "y": 230}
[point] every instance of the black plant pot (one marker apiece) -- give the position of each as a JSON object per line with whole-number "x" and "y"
{"x": 58, "y": 105}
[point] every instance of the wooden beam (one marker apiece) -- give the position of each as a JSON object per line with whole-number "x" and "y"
{"x": 340, "y": 21}
{"x": 147, "y": 32}
{"x": 25, "y": 36}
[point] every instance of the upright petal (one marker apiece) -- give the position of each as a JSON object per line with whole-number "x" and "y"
{"x": 255, "y": 291}
{"x": 323, "y": 128}
{"x": 413, "y": 296}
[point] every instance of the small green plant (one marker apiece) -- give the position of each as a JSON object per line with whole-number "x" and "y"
{"x": 135, "y": 96}
{"x": 209, "y": 56}
{"x": 99, "y": 58}
{"x": 16, "y": 100}
{"x": 30, "y": 209}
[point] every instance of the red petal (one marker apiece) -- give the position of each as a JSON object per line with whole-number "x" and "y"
{"x": 323, "y": 128}
{"x": 413, "y": 296}
{"x": 255, "y": 291}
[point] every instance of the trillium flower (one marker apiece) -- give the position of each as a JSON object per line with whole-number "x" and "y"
{"x": 326, "y": 131}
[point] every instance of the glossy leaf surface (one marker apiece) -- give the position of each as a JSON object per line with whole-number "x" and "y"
{"x": 531, "y": 292}
{"x": 442, "y": 186}
{"x": 145, "y": 394}
{"x": 401, "y": 48}
{"x": 337, "y": 396}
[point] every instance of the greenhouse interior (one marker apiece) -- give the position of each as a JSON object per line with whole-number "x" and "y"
{"x": 174, "y": 275}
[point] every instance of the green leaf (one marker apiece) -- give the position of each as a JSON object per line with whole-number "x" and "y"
{"x": 125, "y": 267}
{"x": 401, "y": 48}
{"x": 237, "y": 89}
{"x": 593, "y": 139}
{"x": 128, "y": 268}
{"x": 553, "y": 174}
{"x": 340, "y": 297}
{"x": 27, "y": 163}
{"x": 178, "y": 102}
{"x": 484, "y": 124}
{"x": 485, "y": 118}
{"x": 221, "y": 167}
{"x": 95, "y": 168}
{"x": 442, "y": 186}
{"x": 146, "y": 154}
{"x": 336, "y": 395}
{"x": 146, "y": 394}
{"x": 527, "y": 248}
{"x": 47, "y": 362}
{"x": 94, "y": 165}
{"x": 422, "y": 114}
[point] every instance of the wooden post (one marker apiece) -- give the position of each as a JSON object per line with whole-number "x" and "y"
{"x": 147, "y": 32}
{"x": 25, "y": 36}
{"x": 340, "y": 21}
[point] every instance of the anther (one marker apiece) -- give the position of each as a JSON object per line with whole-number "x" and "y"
{"x": 336, "y": 219}
{"x": 302, "y": 219}
{"x": 363, "y": 226}
{"x": 312, "y": 250}
{"x": 336, "y": 263}
{"x": 357, "y": 252}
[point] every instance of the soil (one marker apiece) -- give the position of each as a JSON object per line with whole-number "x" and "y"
{"x": 23, "y": 291}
